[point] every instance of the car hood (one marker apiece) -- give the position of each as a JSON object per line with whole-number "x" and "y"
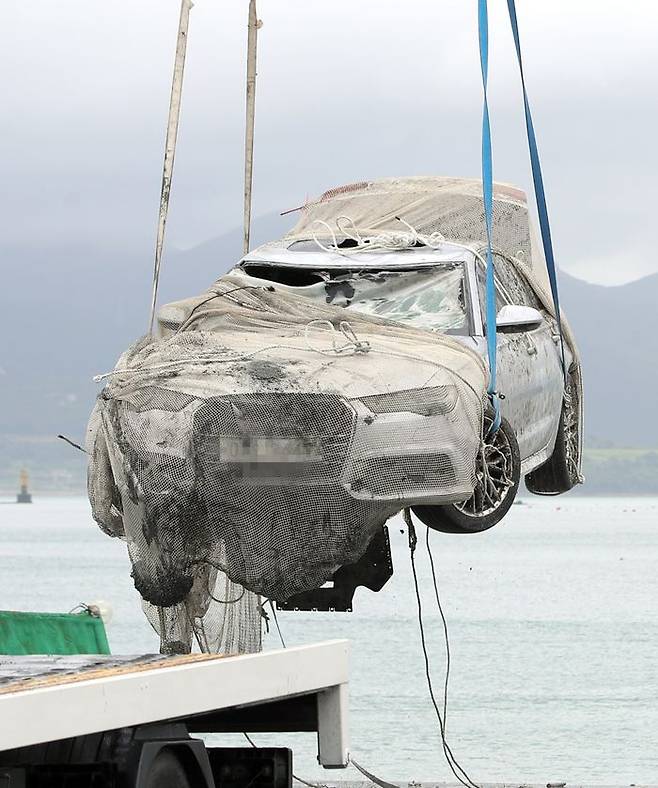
{"x": 243, "y": 339}
{"x": 241, "y": 439}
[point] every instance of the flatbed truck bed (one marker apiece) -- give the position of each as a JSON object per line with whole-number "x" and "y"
{"x": 126, "y": 721}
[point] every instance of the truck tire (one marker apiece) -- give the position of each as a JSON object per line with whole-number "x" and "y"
{"x": 167, "y": 771}
{"x": 498, "y": 474}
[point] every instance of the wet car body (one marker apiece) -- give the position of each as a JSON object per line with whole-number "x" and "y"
{"x": 388, "y": 425}
{"x": 271, "y": 426}
{"x": 530, "y": 375}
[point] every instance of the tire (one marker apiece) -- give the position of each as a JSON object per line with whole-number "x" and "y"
{"x": 560, "y": 473}
{"x": 500, "y": 461}
{"x": 167, "y": 772}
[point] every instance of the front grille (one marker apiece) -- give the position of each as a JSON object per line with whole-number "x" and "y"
{"x": 294, "y": 425}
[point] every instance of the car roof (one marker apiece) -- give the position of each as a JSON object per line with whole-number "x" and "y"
{"x": 308, "y": 254}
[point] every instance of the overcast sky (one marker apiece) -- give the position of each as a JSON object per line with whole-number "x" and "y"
{"x": 348, "y": 89}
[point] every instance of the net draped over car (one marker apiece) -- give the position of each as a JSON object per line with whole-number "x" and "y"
{"x": 262, "y": 437}
{"x": 258, "y": 443}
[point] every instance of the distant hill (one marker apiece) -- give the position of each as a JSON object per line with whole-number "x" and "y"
{"x": 616, "y": 332}
{"x": 68, "y": 312}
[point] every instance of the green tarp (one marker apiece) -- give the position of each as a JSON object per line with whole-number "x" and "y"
{"x": 52, "y": 633}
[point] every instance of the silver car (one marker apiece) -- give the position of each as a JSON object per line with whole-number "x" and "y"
{"x": 273, "y": 424}
{"x": 442, "y": 290}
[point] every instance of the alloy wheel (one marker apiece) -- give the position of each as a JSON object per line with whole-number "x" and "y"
{"x": 493, "y": 474}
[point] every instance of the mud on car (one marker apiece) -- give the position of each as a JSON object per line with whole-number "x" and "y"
{"x": 260, "y": 440}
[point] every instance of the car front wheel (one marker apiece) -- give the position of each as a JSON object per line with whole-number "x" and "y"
{"x": 498, "y": 473}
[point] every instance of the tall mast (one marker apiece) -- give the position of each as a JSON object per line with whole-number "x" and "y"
{"x": 252, "y": 49}
{"x": 170, "y": 147}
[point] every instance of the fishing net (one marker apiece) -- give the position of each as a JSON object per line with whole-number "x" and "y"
{"x": 452, "y": 207}
{"x": 441, "y": 208}
{"x": 260, "y": 441}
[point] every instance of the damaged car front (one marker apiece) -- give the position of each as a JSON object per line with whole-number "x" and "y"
{"x": 262, "y": 434}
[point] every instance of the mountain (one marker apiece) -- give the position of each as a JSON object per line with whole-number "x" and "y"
{"x": 615, "y": 330}
{"x": 69, "y": 311}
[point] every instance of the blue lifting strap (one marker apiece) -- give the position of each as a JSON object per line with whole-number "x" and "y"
{"x": 538, "y": 180}
{"x": 487, "y": 192}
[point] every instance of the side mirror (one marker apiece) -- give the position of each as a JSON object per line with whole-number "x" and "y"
{"x": 512, "y": 318}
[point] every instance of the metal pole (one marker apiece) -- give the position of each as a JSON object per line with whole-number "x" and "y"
{"x": 252, "y": 49}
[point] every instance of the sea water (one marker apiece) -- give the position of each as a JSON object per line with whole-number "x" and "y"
{"x": 553, "y": 620}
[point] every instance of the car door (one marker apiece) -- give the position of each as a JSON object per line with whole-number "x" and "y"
{"x": 529, "y": 373}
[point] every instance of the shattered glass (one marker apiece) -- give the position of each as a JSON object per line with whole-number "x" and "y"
{"x": 430, "y": 297}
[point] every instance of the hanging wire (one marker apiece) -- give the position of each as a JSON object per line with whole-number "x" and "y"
{"x": 170, "y": 147}
{"x": 276, "y": 623}
{"x": 72, "y": 443}
{"x": 446, "y": 636}
{"x": 458, "y": 771}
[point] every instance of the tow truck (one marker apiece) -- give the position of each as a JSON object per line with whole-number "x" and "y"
{"x": 73, "y": 720}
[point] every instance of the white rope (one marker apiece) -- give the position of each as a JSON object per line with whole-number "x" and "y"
{"x": 170, "y": 147}
{"x": 389, "y": 241}
{"x": 330, "y": 249}
{"x": 350, "y": 346}
{"x": 356, "y": 235}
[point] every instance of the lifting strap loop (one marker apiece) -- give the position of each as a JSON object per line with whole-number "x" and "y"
{"x": 487, "y": 192}
{"x": 538, "y": 182}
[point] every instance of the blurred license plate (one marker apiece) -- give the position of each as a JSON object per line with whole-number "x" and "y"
{"x": 253, "y": 449}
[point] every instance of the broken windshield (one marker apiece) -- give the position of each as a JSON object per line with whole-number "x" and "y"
{"x": 431, "y": 297}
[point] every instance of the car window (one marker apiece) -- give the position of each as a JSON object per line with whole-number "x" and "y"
{"x": 431, "y": 297}
{"x": 482, "y": 290}
{"x": 517, "y": 290}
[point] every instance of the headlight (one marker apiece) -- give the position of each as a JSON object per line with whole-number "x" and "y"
{"x": 425, "y": 402}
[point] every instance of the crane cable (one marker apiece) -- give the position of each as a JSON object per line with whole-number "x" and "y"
{"x": 170, "y": 147}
